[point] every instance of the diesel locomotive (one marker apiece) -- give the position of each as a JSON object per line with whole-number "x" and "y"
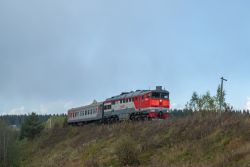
{"x": 134, "y": 105}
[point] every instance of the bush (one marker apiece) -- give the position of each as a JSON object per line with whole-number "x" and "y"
{"x": 127, "y": 152}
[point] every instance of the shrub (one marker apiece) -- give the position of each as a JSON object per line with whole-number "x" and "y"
{"x": 127, "y": 152}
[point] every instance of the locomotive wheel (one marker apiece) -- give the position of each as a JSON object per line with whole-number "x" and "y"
{"x": 132, "y": 117}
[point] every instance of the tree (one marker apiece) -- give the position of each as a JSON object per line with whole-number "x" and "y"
{"x": 8, "y": 146}
{"x": 220, "y": 98}
{"x": 207, "y": 102}
{"x": 31, "y": 127}
{"x": 201, "y": 102}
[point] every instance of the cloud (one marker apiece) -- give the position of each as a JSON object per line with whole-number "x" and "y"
{"x": 55, "y": 107}
{"x": 248, "y": 104}
{"x": 16, "y": 111}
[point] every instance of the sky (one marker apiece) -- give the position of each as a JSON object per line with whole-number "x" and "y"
{"x": 59, "y": 54}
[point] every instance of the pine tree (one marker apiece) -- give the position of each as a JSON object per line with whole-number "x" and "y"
{"x": 31, "y": 127}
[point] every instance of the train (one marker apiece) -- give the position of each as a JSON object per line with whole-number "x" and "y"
{"x": 134, "y": 105}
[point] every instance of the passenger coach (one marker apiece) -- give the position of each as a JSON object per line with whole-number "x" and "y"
{"x": 84, "y": 114}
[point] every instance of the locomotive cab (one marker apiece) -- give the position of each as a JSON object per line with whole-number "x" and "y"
{"x": 159, "y": 99}
{"x": 158, "y": 103}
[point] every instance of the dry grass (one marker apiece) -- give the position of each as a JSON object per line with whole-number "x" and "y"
{"x": 200, "y": 139}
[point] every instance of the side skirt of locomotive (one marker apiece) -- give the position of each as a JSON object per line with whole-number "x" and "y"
{"x": 137, "y": 116}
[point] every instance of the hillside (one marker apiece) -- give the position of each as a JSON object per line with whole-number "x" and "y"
{"x": 200, "y": 139}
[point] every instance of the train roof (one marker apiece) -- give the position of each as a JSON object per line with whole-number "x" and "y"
{"x": 133, "y": 93}
{"x": 94, "y": 104}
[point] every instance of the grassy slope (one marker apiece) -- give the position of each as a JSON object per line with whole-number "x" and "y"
{"x": 197, "y": 140}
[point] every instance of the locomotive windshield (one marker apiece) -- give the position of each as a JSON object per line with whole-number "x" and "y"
{"x": 158, "y": 95}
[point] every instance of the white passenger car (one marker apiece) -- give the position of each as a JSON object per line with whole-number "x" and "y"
{"x": 84, "y": 114}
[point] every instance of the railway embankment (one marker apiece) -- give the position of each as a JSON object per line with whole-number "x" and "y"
{"x": 198, "y": 140}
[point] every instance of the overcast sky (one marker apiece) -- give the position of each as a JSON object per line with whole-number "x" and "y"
{"x": 58, "y": 54}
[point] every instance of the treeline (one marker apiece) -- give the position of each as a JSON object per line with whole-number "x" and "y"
{"x": 18, "y": 120}
{"x": 176, "y": 113}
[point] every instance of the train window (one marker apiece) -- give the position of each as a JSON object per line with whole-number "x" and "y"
{"x": 107, "y": 107}
{"x": 120, "y": 101}
{"x": 156, "y": 95}
{"x": 123, "y": 100}
{"x": 164, "y": 95}
{"x": 126, "y": 100}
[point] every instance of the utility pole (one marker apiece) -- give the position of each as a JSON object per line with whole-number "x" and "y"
{"x": 221, "y": 93}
